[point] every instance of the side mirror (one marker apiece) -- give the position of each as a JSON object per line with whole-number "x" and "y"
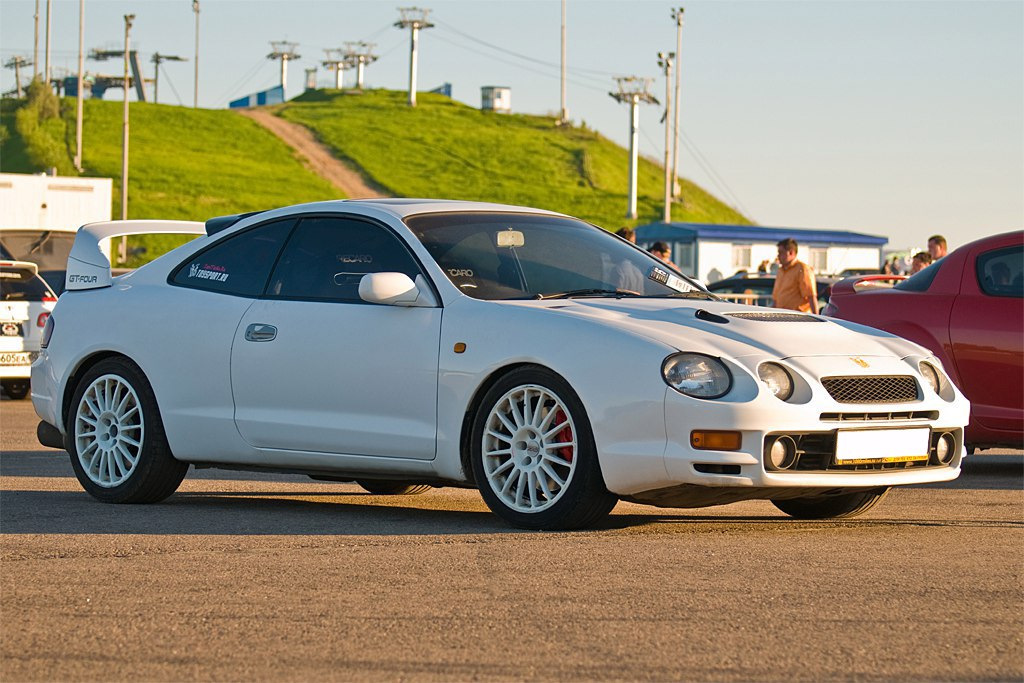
{"x": 395, "y": 289}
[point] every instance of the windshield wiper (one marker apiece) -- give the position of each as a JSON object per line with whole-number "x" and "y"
{"x": 617, "y": 293}
{"x": 696, "y": 294}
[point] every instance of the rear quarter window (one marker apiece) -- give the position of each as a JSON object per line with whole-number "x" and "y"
{"x": 239, "y": 264}
{"x": 1001, "y": 272}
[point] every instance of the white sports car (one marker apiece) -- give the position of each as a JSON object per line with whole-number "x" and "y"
{"x": 406, "y": 343}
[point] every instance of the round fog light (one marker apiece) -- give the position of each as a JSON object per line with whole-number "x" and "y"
{"x": 944, "y": 449}
{"x": 782, "y": 454}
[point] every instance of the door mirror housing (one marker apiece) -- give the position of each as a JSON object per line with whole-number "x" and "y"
{"x": 395, "y": 289}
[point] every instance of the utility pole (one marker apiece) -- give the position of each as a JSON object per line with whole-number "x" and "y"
{"x": 311, "y": 78}
{"x": 284, "y": 51}
{"x": 80, "y": 96}
{"x": 359, "y": 54}
{"x": 35, "y": 45}
{"x": 49, "y": 30}
{"x": 633, "y": 90}
{"x": 414, "y": 18}
{"x": 16, "y": 63}
{"x": 563, "y": 117}
{"x": 677, "y": 14}
{"x": 195, "y": 91}
{"x": 337, "y": 63}
{"x": 157, "y": 59}
{"x": 665, "y": 62}
{"x": 128, "y": 19}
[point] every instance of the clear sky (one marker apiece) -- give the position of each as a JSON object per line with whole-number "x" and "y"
{"x": 900, "y": 119}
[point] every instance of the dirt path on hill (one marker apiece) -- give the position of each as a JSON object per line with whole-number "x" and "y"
{"x": 315, "y": 155}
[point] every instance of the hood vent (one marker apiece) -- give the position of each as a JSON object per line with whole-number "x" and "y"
{"x": 767, "y": 317}
{"x": 710, "y": 317}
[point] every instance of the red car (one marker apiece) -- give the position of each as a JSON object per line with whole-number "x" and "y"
{"x": 968, "y": 308}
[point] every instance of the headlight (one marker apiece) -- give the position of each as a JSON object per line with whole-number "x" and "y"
{"x": 697, "y": 375}
{"x": 777, "y": 379}
{"x": 931, "y": 373}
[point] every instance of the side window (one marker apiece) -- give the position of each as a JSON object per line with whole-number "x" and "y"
{"x": 1001, "y": 272}
{"x": 239, "y": 264}
{"x": 327, "y": 256}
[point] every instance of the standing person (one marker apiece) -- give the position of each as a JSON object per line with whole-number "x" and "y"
{"x": 794, "y": 285}
{"x": 922, "y": 260}
{"x": 937, "y": 247}
{"x": 628, "y": 234}
{"x": 662, "y": 251}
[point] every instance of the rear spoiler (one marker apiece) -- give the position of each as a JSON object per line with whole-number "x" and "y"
{"x": 89, "y": 267}
{"x": 20, "y": 265}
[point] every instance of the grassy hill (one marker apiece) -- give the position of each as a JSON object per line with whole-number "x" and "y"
{"x": 443, "y": 148}
{"x": 193, "y": 164}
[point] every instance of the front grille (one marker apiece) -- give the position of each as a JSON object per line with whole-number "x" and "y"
{"x": 881, "y": 389}
{"x": 777, "y": 317}
{"x": 880, "y": 417}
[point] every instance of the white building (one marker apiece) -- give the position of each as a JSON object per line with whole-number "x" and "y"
{"x": 53, "y": 202}
{"x": 714, "y": 252}
{"x": 496, "y": 98}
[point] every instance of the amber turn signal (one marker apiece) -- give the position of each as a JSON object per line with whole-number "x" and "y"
{"x": 715, "y": 440}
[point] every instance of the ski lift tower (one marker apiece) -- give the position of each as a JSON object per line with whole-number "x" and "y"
{"x": 337, "y": 63}
{"x": 359, "y": 54}
{"x": 633, "y": 90}
{"x": 285, "y": 51}
{"x": 414, "y": 18}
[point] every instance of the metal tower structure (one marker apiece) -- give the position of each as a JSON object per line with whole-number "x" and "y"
{"x": 16, "y": 63}
{"x": 665, "y": 62}
{"x": 359, "y": 54}
{"x": 677, "y": 15}
{"x": 414, "y": 18}
{"x": 337, "y": 63}
{"x": 131, "y": 59}
{"x": 633, "y": 90}
{"x": 285, "y": 51}
{"x": 157, "y": 59}
{"x": 311, "y": 78}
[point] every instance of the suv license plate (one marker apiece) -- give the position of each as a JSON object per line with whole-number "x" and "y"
{"x": 882, "y": 445}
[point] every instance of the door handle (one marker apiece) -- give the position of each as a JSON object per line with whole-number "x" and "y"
{"x": 259, "y": 332}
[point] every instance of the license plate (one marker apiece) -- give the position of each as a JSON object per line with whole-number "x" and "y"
{"x": 21, "y": 358}
{"x": 882, "y": 445}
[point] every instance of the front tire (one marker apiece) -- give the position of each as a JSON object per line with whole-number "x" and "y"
{"x": 533, "y": 454}
{"x": 840, "y": 506}
{"x": 116, "y": 439}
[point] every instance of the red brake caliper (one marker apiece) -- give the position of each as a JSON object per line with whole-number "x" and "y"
{"x": 564, "y": 436}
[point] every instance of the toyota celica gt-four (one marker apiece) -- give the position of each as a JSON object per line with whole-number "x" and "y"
{"x": 404, "y": 344}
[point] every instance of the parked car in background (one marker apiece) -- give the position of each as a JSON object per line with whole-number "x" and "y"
{"x": 757, "y": 289}
{"x": 968, "y": 309}
{"x": 25, "y": 304}
{"x": 851, "y": 272}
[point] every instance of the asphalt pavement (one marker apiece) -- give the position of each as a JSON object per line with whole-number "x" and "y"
{"x": 243, "y": 577}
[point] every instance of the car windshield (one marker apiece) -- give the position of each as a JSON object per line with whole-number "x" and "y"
{"x": 529, "y": 256}
{"x": 20, "y": 284}
{"x": 921, "y": 280}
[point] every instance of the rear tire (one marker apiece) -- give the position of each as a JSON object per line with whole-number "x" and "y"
{"x": 16, "y": 389}
{"x": 382, "y": 487}
{"x": 840, "y": 506}
{"x": 116, "y": 439}
{"x": 533, "y": 454}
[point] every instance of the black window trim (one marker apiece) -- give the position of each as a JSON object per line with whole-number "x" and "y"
{"x": 299, "y": 217}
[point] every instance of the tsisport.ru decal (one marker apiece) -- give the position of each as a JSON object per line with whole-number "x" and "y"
{"x": 208, "y": 272}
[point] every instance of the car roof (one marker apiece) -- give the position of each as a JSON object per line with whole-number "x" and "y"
{"x": 408, "y": 206}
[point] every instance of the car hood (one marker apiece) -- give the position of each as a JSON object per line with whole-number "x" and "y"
{"x": 722, "y": 328}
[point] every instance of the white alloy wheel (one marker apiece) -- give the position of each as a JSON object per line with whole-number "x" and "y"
{"x": 529, "y": 448}
{"x": 109, "y": 430}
